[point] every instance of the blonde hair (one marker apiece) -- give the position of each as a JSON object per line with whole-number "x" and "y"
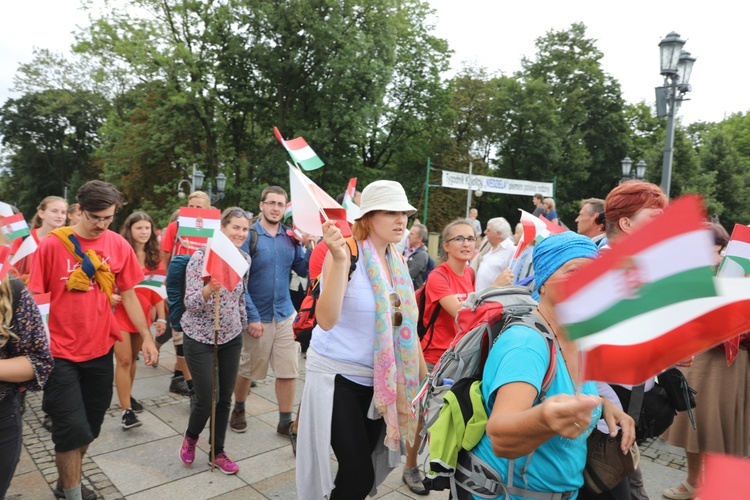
{"x": 36, "y": 221}
{"x": 6, "y": 311}
{"x": 201, "y": 195}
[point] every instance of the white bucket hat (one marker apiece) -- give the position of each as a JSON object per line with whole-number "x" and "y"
{"x": 384, "y": 195}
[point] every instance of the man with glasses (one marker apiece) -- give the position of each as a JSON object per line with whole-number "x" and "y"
{"x": 171, "y": 245}
{"x": 495, "y": 255}
{"x": 269, "y": 338}
{"x": 83, "y": 266}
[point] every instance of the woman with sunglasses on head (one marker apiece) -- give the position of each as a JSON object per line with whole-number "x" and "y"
{"x": 364, "y": 364}
{"x": 198, "y": 327}
{"x": 138, "y": 230}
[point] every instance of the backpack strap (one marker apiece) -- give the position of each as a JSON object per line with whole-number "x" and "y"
{"x": 535, "y": 323}
{"x": 430, "y": 327}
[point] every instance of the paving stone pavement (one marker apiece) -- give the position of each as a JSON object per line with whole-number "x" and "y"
{"x": 143, "y": 463}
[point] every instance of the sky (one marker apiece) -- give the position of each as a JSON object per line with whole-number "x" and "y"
{"x": 496, "y": 34}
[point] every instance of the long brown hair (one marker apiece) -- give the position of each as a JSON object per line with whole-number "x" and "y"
{"x": 153, "y": 253}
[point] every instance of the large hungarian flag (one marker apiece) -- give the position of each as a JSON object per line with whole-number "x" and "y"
{"x": 42, "y": 303}
{"x": 14, "y": 226}
{"x": 736, "y": 261}
{"x": 352, "y": 210}
{"x": 535, "y": 229}
{"x": 224, "y": 262}
{"x": 301, "y": 153}
{"x": 153, "y": 286}
{"x": 652, "y": 300}
{"x": 310, "y": 201}
{"x": 199, "y": 222}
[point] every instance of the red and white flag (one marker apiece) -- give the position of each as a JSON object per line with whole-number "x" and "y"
{"x": 224, "y": 262}
{"x": 652, "y": 300}
{"x": 4, "y": 261}
{"x": 26, "y": 248}
{"x": 300, "y": 151}
{"x": 724, "y": 477}
{"x": 199, "y": 222}
{"x": 535, "y": 229}
{"x": 352, "y": 210}
{"x": 5, "y": 210}
{"x": 309, "y": 201}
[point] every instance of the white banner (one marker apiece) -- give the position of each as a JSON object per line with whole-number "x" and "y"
{"x": 496, "y": 184}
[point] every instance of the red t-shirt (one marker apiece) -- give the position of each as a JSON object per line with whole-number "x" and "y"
{"x": 443, "y": 282}
{"x": 317, "y": 257}
{"x": 82, "y": 326}
{"x": 184, "y": 245}
{"x": 144, "y": 297}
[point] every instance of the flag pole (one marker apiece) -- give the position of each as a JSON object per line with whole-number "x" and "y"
{"x": 215, "y": 375}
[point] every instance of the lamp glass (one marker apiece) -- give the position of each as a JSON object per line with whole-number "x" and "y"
{"x": 627, "y": 163}
{"x": 685, "y": 67}
{"x": 669, "y": 49}
{"x": 198, "y": 177}
{"x": 640, "y": 169}
{"x": 221, "y": 182}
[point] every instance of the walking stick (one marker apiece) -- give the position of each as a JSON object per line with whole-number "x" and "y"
{"x": 216, "y": 374}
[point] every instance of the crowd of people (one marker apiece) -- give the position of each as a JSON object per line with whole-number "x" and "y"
{"x": 365, "y": 360}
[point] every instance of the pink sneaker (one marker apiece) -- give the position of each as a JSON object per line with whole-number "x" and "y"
{"x": 187, "y": 450}
{"x": 224, "y": 463}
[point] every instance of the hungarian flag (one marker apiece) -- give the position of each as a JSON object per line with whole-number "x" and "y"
{"x": 5, "y": 210}
{"x": 153, "y": 286}
{"x": 14, "y": 227}
{"x": 736, "y": 261}
{"x": 652, "y": 300}
{"x": 535, "y": 229}
{"x": 301, "y": 153}
{"x": 42, "y": 302}
{"x": 310, "y": 201}
{"x": 352, "y": 210}
{"x": 224, "y": 261}
{"x": 288, "y": 211}
{"x": 199, "y": 222}
{"x": 26, "y": 248}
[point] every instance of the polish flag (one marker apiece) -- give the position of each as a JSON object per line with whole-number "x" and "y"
{"x": 652, "y": 300}
{"x": 224, "y": 261}
{"x": 26, "y": 248}
{"x": 301, "y": 153}
{"x": 5, "y": 210}
{"x": 310, "y": 201}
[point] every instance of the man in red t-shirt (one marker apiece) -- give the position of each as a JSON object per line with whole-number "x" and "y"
{"x": 82, "y": 327}
{"x": 172, "y": 245}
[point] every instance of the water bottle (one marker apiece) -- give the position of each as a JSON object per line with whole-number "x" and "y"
{"x": 448, "y": 381}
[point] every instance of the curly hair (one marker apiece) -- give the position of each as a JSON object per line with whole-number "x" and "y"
{"x": 153, "y": 252}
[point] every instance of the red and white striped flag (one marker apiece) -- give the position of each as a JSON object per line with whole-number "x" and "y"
{"x": 14, "y": 226}
{"x": 224, "y": 262}
{"x": 300, "y": 151}
{"x": 352, "y": 210}
{"x": 26, "y": 248}
{"x": 42, "y": 302}
{"x": 4, "y": 261}
{"x": 652, "y": 300}
{"x": 153, "y": 286}
{"x": 535, "y": 229}
{"x": 309, "y": 201}
{"x": 199, "y": 222}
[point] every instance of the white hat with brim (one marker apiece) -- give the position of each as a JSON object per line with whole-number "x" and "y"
{"x": 384, "y": 195}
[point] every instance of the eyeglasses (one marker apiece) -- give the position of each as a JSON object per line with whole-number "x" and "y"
{"x": 397, "y": 318}
{"x": 96, "y": 219}
{"x": 242, "y": 213}
{"x": 461, "y": 239}
{"x": 276, "y": 204}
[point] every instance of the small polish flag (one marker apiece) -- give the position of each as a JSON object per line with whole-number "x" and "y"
{"x": 300, "y": 151}
{"x": 26, "y": 248}
{"x": 224, "y": 261}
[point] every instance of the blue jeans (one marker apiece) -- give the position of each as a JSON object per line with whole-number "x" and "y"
{"x": 200, "y": 360}
{"x": 10, "y": 440}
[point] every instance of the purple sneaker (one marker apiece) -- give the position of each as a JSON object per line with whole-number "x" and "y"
{"x": 187, "y": 450}
{"x": 224, "y": 463}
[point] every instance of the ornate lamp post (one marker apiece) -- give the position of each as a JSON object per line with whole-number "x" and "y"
{"x": 676, "y": 67}
{"x": 197, "y": 184}
{"x": 628, "y": 172}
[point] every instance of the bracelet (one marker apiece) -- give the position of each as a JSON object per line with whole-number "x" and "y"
{"x": 161, "y": 320}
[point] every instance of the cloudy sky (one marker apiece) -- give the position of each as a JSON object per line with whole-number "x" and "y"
{"x": 496, "y": 34}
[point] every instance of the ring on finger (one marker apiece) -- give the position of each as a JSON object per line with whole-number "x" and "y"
{"x": 577, "y": 426}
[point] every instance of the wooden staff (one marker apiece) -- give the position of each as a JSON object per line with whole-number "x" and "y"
{"x": 216, "y": 374}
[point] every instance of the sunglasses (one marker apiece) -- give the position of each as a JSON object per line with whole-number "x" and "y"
{"x": 242, "y": 213}
{"x": 461, "y": 239}
{"x": 397, "y": 317}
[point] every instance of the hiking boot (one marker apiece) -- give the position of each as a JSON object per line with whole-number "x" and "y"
{"x": 187, "y": 450}
{"x": 135, "y": 405}
{"x": 237, "y": 420}
{"x": 413, "y": 479}
{"x": 129, "y": 420}
{"x": 86, "y": 493}
{"x": 179, "y": 386}
{"x": 285, "y": 428}
{"x": 224, "y": 463}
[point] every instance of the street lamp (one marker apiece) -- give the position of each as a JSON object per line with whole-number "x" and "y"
{"x": 628, "y": 172}
{"x": 676, "y": 67}
{"x": 197, "y": 184}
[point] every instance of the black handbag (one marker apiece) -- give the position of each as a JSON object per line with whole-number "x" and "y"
{"x": 651, "y": 411}
{"x": 680, "y": 395}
